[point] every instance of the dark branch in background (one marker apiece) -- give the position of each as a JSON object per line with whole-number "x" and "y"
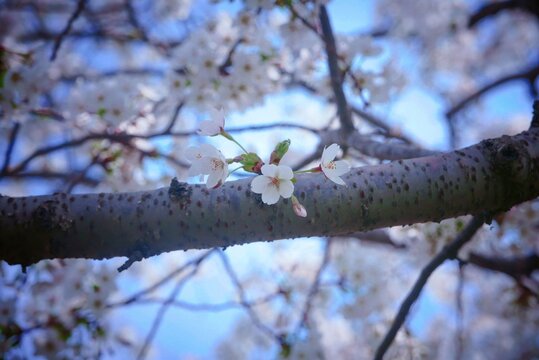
{"x": 309, "y": 159}
{"x": 243, "y": 298}
{"x": 335, "y": 73}
{"x": 223, "y": 68}
{"x": 378, "y": 236}
{"x": 303, "y": 20}
{"x": 133, "y": 20}
{"x": 459, "y": 313}
{"x": 448, "y": 252}
{"x": 140, "y": 294}
{"x": 373, "y": 120}
{"x": 315, "y": 286}
{"x": 516, "y": 267}
{"x": 52, "y": 175}
{"x": 164, "y": 307}
{"x": 174, "y": 118}
{"x": 492, "y": 9}
{"x": 70, "y": 21}
{"x": 10, "y": 146}
{"x": 530, "y": 76}
{"x": 378, "y": 150}
{"x": 125, "y": 139}
{"x": 78, "y": 176}
{"x": 535, "y": 118}
{"x": 217, "y": 307}
{"x": 119, "y": 72}
{"x": 368, "y": 117}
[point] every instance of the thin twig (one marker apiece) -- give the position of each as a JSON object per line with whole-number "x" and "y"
{"x": 459, "y": 331}
{"x": 535, "y": 118}
{"x": 124, "y": 138}
{"x": 135, "y": 297}
{"x": 368, "y": 117}
{"x": 310, "y": 158}
{"x": 304, "y": 21}
{"x": 315, "y": 287}
{"x": 70, "y": 21}
{"x": 174, "y": 118}
{"x": 10, "y": 146}
{"x": 161, "y": 312}
{"x": 80, "y": 175}
{"x": 529, "y": 75}
{"x": 53, "y": 175}
{"x": 217, "y": 307}
{"x": 243, "y": 298}
{"x": 448, "y": 252}
{"x": 132, "y": 16}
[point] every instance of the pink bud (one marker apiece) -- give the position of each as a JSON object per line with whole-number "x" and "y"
{"x": 298, "y": 208}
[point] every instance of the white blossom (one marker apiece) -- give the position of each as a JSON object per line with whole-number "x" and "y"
{"x": 207, "y": 160}
{"x": 274, "y": 182}
{"x": 331, "y": 168}
{"x": 215, "y": 125}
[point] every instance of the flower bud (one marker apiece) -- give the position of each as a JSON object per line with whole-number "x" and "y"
{"x": 298, "y": 208}
{"x": 279, "y": 151}
{"x": 251, "y": 162}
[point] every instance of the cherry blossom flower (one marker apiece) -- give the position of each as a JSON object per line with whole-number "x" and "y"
{"x": 207, "y": 160}
{"x": 275, "y": 181}
{"x": 215, "y": 126}
{"x": 333, "y": 169}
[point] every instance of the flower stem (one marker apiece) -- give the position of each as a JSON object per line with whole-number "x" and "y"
{"x": 236, "y": 169}
{"x": 316, "y": 169}
{"x": 231, "y": 138}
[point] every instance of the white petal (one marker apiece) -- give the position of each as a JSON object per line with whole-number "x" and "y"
{"x": 221, "y": 157}
{"x": 286, "y": 188}
{"x": 341, "y": 167}
{"x": 284, "y": 172}
{"x": 218, "y": 117}
{"x": 213, "y": 180}
{"x": 192, "y": 153}
{"x": 337, "y": 180}
{"x": 259, "y": 184}
{"x": 209, "y": 150}
{"x": 204, "y": 165}
{"x": 330, "y": 153}
{"x": 224, "y": 173}
{"x": 271, "y": 195}
{"x": 269, "y": 170}
{"x": 208, "y": 128}
{"x": 195, "y": 169}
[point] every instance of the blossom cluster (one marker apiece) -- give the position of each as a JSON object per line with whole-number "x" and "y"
{"x": 22, "y": 83}
{"x": 273, "y": 181}
{"x": 61, "y": 307}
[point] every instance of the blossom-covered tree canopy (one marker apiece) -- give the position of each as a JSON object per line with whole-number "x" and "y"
{"x": 399, "y": 156}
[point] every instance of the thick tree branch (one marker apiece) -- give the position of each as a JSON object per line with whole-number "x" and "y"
{"x": 492, "y": 176}
{"x": 448, "y": 252}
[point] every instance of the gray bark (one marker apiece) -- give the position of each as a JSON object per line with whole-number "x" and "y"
{"x": 493, "y": 175}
